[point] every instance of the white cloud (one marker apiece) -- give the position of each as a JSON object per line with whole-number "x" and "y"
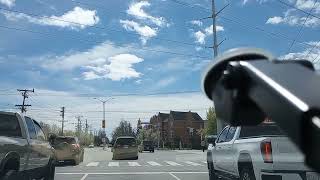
{"x": 275, "y": 20}
{"x": 8, "y": 3}
{"x": 145, "y": 32}
{"x": 135, "y": 9}
{"x": 310, "y": 53}
{"x": 117, "y": 68}
{"x": 200, "y": 37}
{"x": 196, "y": 22}
{"x": 139, "y": 81}
{"x": 209, "y": 30}
{"x": 308, "y": 5}
{"x": 244, "y": 2}
{"x": 77, "y": 18}
{"x": 292, "y": 18}
{"x": 165, "y": 82}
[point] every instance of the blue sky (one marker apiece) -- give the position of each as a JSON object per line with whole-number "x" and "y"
{"x": 114, "y": 47}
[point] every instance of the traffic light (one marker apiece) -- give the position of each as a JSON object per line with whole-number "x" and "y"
{"x": 103, "y": 123}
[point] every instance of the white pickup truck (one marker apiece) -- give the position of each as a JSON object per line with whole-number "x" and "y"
{"x": 256, "y": 153}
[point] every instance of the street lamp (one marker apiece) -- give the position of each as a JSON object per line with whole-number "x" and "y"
{"x": 104, "y": 114}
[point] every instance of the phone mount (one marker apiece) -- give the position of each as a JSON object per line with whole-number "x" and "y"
{"x": 247, "y": 85}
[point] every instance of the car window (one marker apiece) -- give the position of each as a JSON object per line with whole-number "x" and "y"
{"x": 9, "y": 126}
{"x": 69, "y": 140}
{"x": 40, "y": 134}
{"x": 223, "y": 135}
{"x": 231, "y": 132}
{"x": 125, "y": 141}
{"x": 31, "y": 128}
{"x": 261, "y": 130}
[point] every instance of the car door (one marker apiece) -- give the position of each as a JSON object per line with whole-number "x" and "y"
{"x": 34, "y": 148}
{"x": 227, "y": 163}
{"x": 218, "y": 153}
{"x": 44, "y": 150}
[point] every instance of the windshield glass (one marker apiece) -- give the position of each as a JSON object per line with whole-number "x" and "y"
{"x": 159, "y": 89}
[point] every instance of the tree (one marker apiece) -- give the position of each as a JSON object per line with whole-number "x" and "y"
{"x": 146, "y": 135}
{"x": 212, "y": 121}
{"x": 124, "y": 129}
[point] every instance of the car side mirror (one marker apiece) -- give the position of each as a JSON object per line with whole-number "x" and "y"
{"x": 51, "y": 138}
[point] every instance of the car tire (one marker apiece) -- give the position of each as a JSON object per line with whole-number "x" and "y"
{"x": 77, "y": 161}
{"x": 247, "y": 173}
{"x": 212, "y": 173}
{"x": 49, "y": 171}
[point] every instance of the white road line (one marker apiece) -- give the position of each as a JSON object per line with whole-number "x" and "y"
{"x": 204, "y": 162}
{"x": 152, "y": 163}
{"x": 192, "y": 163}
{"x": 134, "y": 173}
{"x": 113, "y": 164}
{"x": 172, "y": 163}
{"x": 84, "y": 177}
{"x": 134, "y": 164}
{"x": 174, "y": 176}
{"x": 93, "y": 164}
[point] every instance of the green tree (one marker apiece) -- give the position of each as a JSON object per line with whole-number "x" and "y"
{"x": 124, "y": 129}
{"x": 212, "y": 121}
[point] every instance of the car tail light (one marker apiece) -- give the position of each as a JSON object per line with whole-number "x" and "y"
{"x": 75, "y": 146}
{"x": 266, "y": 151}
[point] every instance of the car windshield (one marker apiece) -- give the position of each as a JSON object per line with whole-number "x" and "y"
{"x": 160, "y": 89}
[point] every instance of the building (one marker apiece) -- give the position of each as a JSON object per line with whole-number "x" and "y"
{"x": 178, "y": 129}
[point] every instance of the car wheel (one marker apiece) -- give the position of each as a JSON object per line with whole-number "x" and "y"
{"x": 247, "y": 173}
{"x": 77, "y": 160}
{"x": 212, "y": 174}
{"x": 50, "y": 171}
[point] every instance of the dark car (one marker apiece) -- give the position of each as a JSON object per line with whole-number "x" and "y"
{"x": 147, "y": 146}
{"x": 68, "y": 148}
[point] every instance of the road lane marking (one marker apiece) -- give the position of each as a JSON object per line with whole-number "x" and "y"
{"x": 134, "y": 164}
{"x": 192, "y": 163}
{"x": 152, "y": 163}
{"x": 204, "y": 162}
{"x": 135, "y": 173}
{"x": 174, "y": 176}
{"x": 93, "y": 164}
{"x": 84, "y": 177}
{"x": 172, "y": 163}
{"x": 113, "y": 164}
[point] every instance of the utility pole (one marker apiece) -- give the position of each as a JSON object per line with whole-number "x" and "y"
{"x": 220, "y": 123}
{"x": 62, "y": 121}
{"x": 25, "y": 95}
{"x": 79, "y": 125}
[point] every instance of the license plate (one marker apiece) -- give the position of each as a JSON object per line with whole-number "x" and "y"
{"x": 313, "y": 176}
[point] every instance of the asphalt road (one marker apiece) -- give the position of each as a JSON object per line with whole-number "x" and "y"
{"x": 160, "y": 165}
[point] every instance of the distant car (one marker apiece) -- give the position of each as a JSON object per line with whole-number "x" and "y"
{"x": 125, "y": 147}
{"x": 68, "y": 148}
{"x": 147, "y": 146}
{"x": 91, "y": 146}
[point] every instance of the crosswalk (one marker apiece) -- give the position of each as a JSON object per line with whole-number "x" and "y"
{"x": 145, "y": 163}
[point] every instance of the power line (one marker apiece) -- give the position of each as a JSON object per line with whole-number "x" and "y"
{"x": 190, "y": 5}
{"x": 100, "y": 27}
{"x": 129, "y": 47}
{"x": 24, "y": 95}
{"x": 301, "y": 27}
{"x": 294, "y": 7}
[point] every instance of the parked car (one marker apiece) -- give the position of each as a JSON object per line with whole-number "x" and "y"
{"x": 254, "y": 153}
{"x": 91, "y": 146}
{"x": 147, "y": 146}
{"x": 24, "y": 149}
{"x": 125, "y": 147}
{"x": 68, "y": 148}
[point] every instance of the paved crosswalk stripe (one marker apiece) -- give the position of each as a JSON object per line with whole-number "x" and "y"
{"x": 172, "y": 163}
{"x": 134, "y": 164}
{"x": 152, "y": 163}
{"x": 93, "y": 164}
{"x": 113, "y": 164}
{"x": 192, "y": 163}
